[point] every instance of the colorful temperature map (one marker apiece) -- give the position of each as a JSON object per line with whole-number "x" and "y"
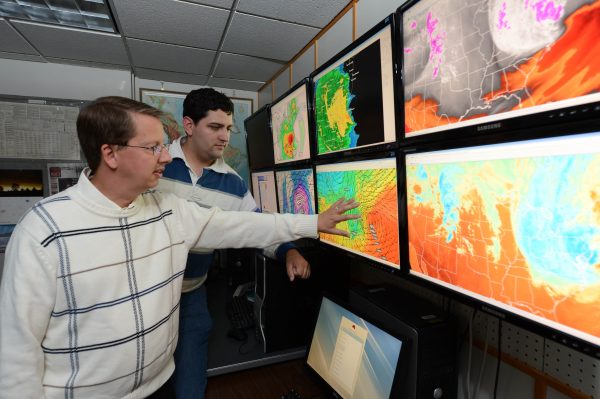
{"x": 375, "y": 234}
{"x": 467, "y": 64}
{"x": 524, "y": 232}
{"x": 349, "y": 109}
{"x": 289, "y": 118}
{"x": 296, "y": 191}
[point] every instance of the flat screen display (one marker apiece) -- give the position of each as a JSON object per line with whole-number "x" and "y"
{"x": 356, "y": 358}
{"x": 296, "y": 191}
{"x": 354, "y": 97}
{"x": 263, "y": 190}
{"x": 259, "y": 140}
{"x": 373, "y": 184}
{"x": 486, "y": 60}
{"x": 289, "y": 121}
{"x": 515, "y": 225}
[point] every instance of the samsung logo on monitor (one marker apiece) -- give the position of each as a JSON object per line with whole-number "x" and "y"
{"x": 491, "y": 126}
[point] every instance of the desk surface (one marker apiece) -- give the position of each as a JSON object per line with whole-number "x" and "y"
{"x": 265, "y": 382}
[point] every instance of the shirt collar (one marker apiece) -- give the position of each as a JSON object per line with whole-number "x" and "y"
{"x": 177, "y": 152}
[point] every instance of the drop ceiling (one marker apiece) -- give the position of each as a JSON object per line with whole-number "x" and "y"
{"x": 236, "y": 44}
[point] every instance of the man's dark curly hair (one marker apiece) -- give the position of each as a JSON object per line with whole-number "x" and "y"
{"x": 198, "y": 102}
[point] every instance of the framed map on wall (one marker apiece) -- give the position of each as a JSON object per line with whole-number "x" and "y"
{"x": 171, "y": 103}
{"x": 236, "y": 153}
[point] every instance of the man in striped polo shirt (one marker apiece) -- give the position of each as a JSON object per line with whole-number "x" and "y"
{"x": 199, "y": 173}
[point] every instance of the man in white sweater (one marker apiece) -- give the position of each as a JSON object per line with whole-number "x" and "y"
{"x": 89, "y": 300}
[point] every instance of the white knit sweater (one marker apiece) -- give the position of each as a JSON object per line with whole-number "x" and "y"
{"x": 89, "y": 300}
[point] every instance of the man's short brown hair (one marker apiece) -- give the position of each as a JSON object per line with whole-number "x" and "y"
{"x": 107, "y": 120}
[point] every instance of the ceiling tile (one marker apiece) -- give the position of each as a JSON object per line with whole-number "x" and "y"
{"x": 170, "y": 57}
{"x": 217, "y": 3}
{"x": 245, "y": 67}
{"x": 75, "y": 44}
{"x": 170, "y": 21}
{"x": 88, "y": 63}
{"x": 316, "y": 13}
{"x": 252, "y": 35}
{"x": 234, "y": 84}
{"x": 12, "y": 42}
{"x": 167, "y": 76}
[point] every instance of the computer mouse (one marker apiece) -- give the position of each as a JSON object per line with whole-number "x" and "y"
{"x": 238, "y": 334}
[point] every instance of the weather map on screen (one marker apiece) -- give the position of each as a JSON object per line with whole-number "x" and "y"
{"x": 354, "y": 98}
{"x": 516, "y": 225}
{"x": 296, "y": 191}
{"x": 263, "y": 190}
{"x": 373, "y": 184}
{"x": 289, "y": 121}
{"x": 489, "y": 60}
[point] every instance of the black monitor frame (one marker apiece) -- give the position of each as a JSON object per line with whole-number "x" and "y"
{"x": 547, "y": 131}
{"x": 501, "y": 124}
{"x": 345, "y": 253}
{"x": 389, "y": 21}
{"x": 258, "y": 157}
{"x": 309, "y": 110}
{"x": 388, "y": 325}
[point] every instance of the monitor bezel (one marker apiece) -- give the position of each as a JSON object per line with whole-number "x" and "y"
{"x": 270, "y": 163}
{"x": 309, "y": 110}
{"x": 388, "y": 21}
{"x": 500, "y": 125}
{"x": 388, "y": 327}
{"x": 343, "y": 252}
{"x": 525, "y": 134}
{"x": 289, "y": 168}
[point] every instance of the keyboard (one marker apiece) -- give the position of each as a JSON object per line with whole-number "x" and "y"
{"x": 240, "y": 312}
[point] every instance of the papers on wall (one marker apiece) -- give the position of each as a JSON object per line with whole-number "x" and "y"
{"x": 38, "y": 131}
{"x": 63, "y": 175}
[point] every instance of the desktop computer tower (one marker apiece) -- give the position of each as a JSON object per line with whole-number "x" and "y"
{"x": 429, "y": 366}
{"x": 285, "y": 311}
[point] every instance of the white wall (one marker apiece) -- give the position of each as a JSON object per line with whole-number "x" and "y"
{"x": 185, "y": 88}
{"x": 36, "y": 79}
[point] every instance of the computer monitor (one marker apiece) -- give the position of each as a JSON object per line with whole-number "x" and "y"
{"x": 296, "y": 191}
{"x": 355, "y": 356}
{"x": 21, "y": 183}
{"x": 514, "y": 225}
{"x": 290, "y": 125}
{"x": 480, "y": 65}
{"x": 264, "y": 192}
{"x": 353, "y": 95}
{"x": 373, "y": 183}
{"x": 259, "y": 139}
{"x": 20, "y": 189}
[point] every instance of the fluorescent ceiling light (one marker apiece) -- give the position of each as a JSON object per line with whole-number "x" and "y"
{"x": 86, "y": 14}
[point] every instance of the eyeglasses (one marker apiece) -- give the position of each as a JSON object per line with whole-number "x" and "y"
{"x": 156, "y": 149}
